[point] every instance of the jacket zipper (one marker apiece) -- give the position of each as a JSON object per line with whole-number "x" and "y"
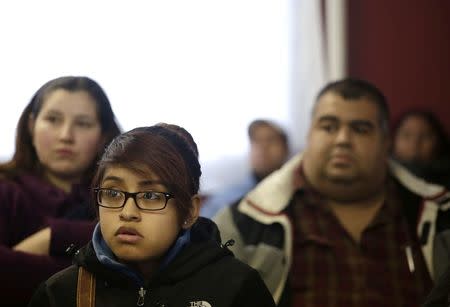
{"x": 141, "y": 298}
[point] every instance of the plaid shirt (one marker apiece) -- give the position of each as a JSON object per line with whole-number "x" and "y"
{"x": 331, "y": 269}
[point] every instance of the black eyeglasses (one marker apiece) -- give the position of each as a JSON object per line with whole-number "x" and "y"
{"x": 146, "y": 200}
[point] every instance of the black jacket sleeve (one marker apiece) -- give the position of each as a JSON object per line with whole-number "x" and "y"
{"x": 40, "y": 297}
{"x": 440, "y": 294}
{"x": 254, "y": 293}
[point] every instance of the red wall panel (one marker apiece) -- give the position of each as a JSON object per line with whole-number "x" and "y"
{"x": 403, "y": 47}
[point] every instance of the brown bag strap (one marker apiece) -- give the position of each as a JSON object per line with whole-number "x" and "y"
{"x": 85, "y": 288}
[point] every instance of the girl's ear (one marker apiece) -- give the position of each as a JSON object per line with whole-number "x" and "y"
{"x": 193, "y": 214}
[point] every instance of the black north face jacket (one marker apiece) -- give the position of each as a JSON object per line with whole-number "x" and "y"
{"x": 203, "y": 274}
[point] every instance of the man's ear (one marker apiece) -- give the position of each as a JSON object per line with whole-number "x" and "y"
{"x": 388, "y": 144}
{"x": 194, "y": 212}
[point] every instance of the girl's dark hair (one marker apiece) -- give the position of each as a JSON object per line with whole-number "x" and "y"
{"x": 167, "y": 150}
{"x": 443, "y": 142}
{"x": 25, "y": 158}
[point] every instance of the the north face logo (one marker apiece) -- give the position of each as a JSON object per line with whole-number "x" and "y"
{"x": 199, "y": 304}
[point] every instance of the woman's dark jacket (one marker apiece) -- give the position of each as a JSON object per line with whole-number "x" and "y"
{"x": 203, "y": 272}
{"x": 28, "y": 204}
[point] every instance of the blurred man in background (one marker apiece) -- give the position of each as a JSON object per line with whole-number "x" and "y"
{"x": 269, "y": 149}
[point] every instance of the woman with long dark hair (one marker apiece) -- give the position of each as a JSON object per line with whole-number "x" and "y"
{"x": 60, "y": 136}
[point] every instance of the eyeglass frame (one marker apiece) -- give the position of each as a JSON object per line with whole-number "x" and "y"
{"x": 167, "y": 197}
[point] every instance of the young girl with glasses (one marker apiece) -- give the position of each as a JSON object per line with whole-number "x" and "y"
{"x": 150, "y": 247}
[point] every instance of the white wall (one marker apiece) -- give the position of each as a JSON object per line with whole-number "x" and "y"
{"x": 210, "y": 66}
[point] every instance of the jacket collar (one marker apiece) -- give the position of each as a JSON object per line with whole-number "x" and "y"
{"x": 426, "y": 190}
{"x": 272, "y": 195}
{"x": 106, "y": 256}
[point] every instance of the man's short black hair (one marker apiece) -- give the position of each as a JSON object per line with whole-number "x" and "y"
{"x": 353, "y": 89}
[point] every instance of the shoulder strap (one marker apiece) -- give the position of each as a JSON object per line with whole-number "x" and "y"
{"x": 85, "y": 288}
